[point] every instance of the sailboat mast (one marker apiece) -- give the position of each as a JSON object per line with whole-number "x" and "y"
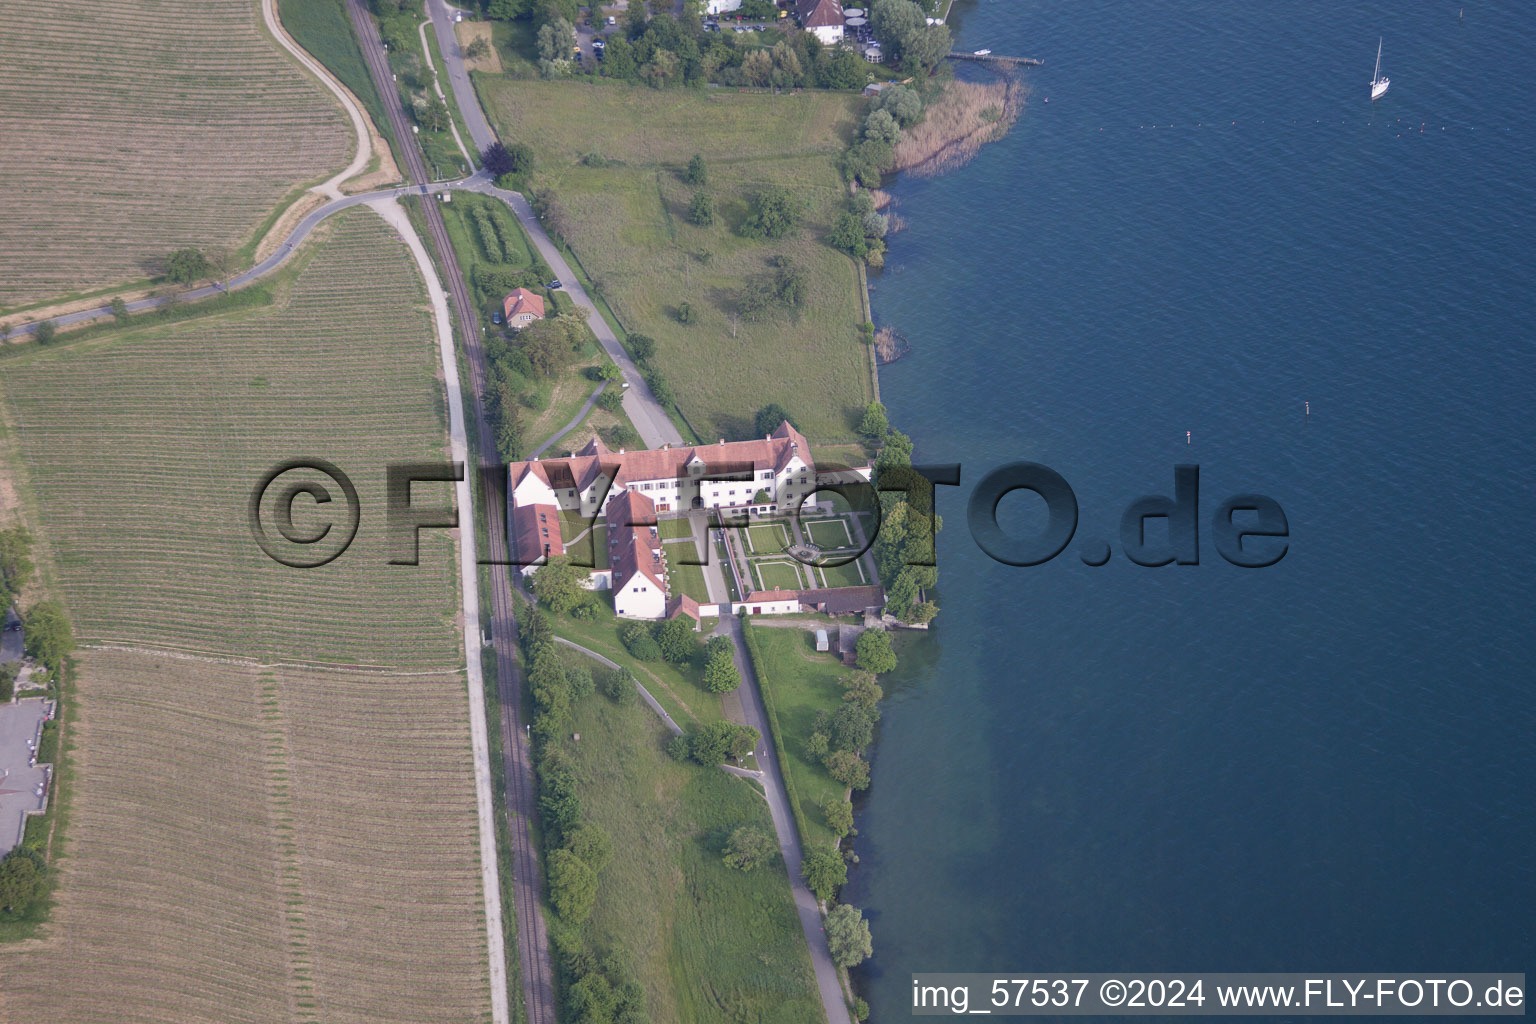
{"x": 1377, "y": 74}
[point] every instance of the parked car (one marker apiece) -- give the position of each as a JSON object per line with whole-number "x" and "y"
{"x": 553, "y": 285}
{"x": 496, "y": 319}
{"x": 612, "y": 20}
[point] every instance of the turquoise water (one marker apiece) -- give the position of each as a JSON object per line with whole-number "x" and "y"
{"x": 1322, "y": 765}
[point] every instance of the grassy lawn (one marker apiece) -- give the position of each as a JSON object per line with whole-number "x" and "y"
{"x": 176, "y": 124}
{"x": 673, "y": 528}
{"x": 829, "y": 534}
{"x": 797, "y": 682}
{"x": 768, "y": 538}
{"x": 629, "y": 227}
{"x": 679, "y": 689}
{"x": 689, "y": 579}
{"x": 707, "y": 942}
{"x": 778, "y": 574}
{"x": 850, "y": 575}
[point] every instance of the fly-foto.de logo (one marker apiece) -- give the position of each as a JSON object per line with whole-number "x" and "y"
{"x": 304, "y": 513}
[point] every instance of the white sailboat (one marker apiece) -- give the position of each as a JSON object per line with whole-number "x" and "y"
{"x": 1378, "y": 83}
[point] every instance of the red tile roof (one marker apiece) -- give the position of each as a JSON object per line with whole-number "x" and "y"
{"x": 537, "y": 532}
{"x": 634, "y": 545}
{"x": 523, "y": 302}
{"x": 821, "y": 13}
{"x": 578, "y": 471}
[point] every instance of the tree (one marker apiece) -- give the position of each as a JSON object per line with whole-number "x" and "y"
{"x": 638, "y": 641}
{"x": 923, "y": 612}
{"x": 643, "y": 345}
{"x": 701, "y": 209}
{"x": 874, "y": 652}
{"x": 634, "y": 19}
{"x": 21, "y": 877}
{"x": 684, "y": 313}
{"x": 882, "y": 126}
{"x": 861, "y": 689}
{"x": 478, "y": 49}
{"x": 876, "y": 224}
{"x": 867, "y": 162}
{"x": 843, "y": 70}
{"x": 185, "y": 266}
{"x": 676, "y": 640}
{"x": 712, "y": 744}
{"x": 772, "y": 213}
{"x": 848, "y": 768}
{"x": 619, "y": 61}
{"x": 48, "y": 636}
{"x": 852, "y": 728}
{"x": 720, "y": 672}
{"x": 119, "y": 309}
{"x": 839, "y": 815}
{"x": 768, "y": 418}
{"x": 848, "y": 936}
{"x": 847, "y": 234}
{"x": 45, "y": 332}
{"x": 902, "y": 102}
{"x": 500, "y": 160}
{"x": 697, "y": 173}
{"x": 508, "y": 10}
{"x": 748, "y": 847}
{"x": 874, "y": 425}
{"x": 572, "y": 886}
{"x": 824, "y": 871}
{"x": 431, "y": 113}
{"x": 556, "y": 40}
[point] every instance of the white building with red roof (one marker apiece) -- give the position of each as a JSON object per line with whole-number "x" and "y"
{"x": 522, "y": 308}
{"x": 630, "y": 490}
{"x": 822, "y": 18}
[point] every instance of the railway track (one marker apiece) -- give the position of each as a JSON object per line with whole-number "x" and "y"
{"x": 522, "y": 797}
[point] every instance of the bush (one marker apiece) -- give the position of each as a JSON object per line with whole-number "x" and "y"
{"x": 186, "y": 265}
{"x": 21, "y": 879}
{"x": 643, "y": 345}
{"x": 611, "y": 400}
{"x": 679, "y": 749}
{"x": 572, "y": 886}
{"x": 684, "y": 313}
{"x": 701, "y": 209}
{"x": 676, "y": 640}
{"x": 697, "y": 173}
{"x": 45, "y": 332}
{"x": 768, "y": 419}
{"x": 619, "y": 686}
{"x": 638, "y": 641}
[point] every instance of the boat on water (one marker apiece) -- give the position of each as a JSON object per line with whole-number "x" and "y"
{"x": 1379, "y": 83}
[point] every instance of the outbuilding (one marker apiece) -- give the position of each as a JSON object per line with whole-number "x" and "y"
{"x": 822, "y": 643}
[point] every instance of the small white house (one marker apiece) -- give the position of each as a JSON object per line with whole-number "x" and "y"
{"x": 722, "y": 6}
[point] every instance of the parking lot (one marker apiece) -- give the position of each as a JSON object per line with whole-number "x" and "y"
{"x": 23, "y": 785}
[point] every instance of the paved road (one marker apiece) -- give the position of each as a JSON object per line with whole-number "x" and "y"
{"x": 772, "y": 779}
{"x": 521, "y": 794}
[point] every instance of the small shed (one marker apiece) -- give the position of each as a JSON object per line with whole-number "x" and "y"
{"x": 821, "y": 641}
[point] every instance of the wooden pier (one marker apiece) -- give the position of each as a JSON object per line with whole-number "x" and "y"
{"x": 997, "y": 58}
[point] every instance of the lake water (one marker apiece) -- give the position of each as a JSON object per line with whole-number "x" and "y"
{"x": 1322, "y": 765}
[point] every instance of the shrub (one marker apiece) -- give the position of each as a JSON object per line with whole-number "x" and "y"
{"x": 701, "y": 209}
{"x": 697, "y": 173}
{"x": 572, "y": 886}
{"x": 45, "y": 332}
{"x": 676, "y": 640}
{"x": 638, "y": 641}
{"x": 611, "y": 400}
{"x": 48, "y": 635}
{"x": 619, "y": 686}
